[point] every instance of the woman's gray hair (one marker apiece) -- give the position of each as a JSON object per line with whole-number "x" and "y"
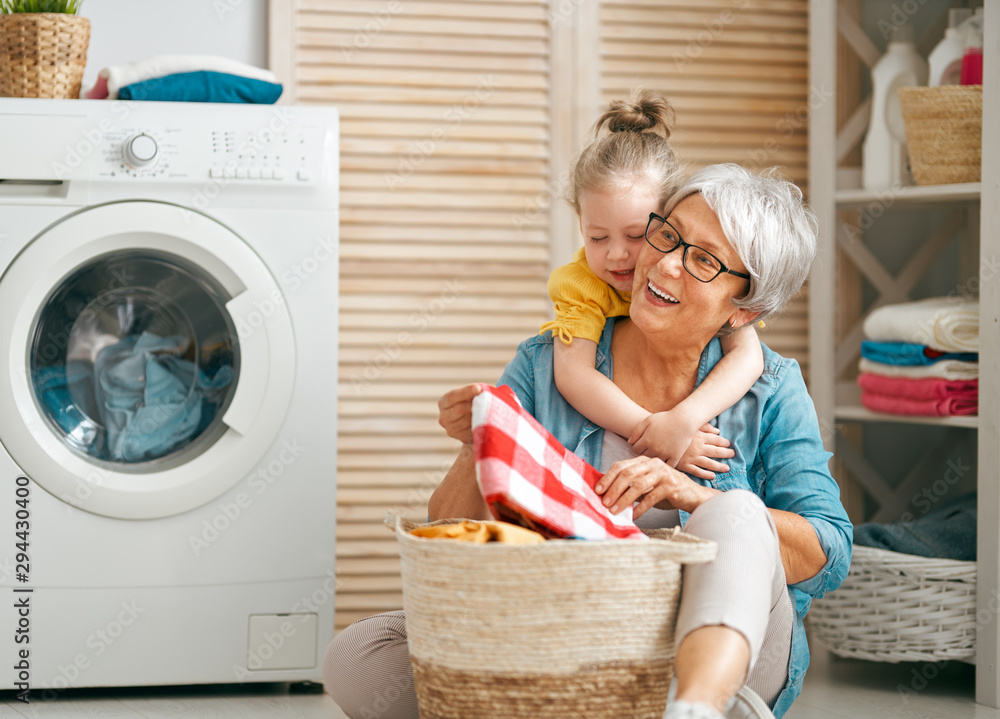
{"x": 768, "y": 223}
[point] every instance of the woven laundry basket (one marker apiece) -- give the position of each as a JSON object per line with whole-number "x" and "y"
{"x": 944, "y": 130}
{"x": 899, "y": 608}
{"x": 42, "y": 54}
{"x": 558, "y": 630}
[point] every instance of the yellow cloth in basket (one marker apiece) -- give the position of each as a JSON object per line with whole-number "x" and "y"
{"x": 480, "y": 532}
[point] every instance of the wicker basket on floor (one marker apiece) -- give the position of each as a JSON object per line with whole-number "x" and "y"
{"x": 42, "y": 54}
{"x": 558, "y": 630}
{"x": 899, "y": 608}
{"x": 944, "y": 130}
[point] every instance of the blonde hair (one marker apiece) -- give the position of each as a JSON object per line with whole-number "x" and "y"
{"x": 634, "y": 152}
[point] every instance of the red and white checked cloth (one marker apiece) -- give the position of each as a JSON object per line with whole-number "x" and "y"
{"x": 527, "y": 477}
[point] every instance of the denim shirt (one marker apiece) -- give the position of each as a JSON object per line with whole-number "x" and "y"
{"x": 779, "y": 456}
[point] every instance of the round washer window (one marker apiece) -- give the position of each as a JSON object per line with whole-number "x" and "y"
{"x": 134, "y": 360}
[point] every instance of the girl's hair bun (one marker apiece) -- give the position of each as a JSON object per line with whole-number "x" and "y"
{"x": 645, "y": 111}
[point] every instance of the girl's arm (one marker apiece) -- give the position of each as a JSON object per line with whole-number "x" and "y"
{"x": 668, "y": 434}
{"x": 591, "y": 393}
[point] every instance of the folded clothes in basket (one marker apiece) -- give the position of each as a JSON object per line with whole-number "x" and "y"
{"x": 947, "y": 532}
{"x": 527, "y": 477}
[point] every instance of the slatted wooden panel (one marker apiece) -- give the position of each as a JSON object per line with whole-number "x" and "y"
{"x": 445, "y": 237}
{"x": 737, "y": 72}
{"x": 458, "y": 117}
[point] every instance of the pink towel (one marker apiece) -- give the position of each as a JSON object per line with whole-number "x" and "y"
{"x": 99, "y": 91}
{"x": 930, "y": 388}
{"x": 919, "y": 407}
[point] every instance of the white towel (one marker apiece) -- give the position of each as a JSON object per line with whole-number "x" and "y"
{"x": 119, "y": 76}
{"x": 946, "y": 324}
{"x": 943, "y": 369}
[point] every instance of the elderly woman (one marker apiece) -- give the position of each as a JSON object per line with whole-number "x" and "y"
{"x": 775, "y": 512}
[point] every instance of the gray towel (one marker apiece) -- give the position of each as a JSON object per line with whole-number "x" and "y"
{"x": 947, "y": 532}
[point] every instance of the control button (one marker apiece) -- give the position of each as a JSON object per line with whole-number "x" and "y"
{"x": 215, "y": 172}
{"x": 265, "y": 173}
{"x": 279, "y": 174}
{"x": 253, "y": 173}
{"x": 241, "y": 173}
{"x": 140, "y": 150}
{"x": 304, "y": 175}
{"x": 228, "y": 172}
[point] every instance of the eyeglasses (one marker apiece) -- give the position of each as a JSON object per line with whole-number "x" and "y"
{"x": 699, "y": 263}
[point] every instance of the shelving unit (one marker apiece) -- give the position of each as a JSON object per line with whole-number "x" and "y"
{"x": 974, "y": 205}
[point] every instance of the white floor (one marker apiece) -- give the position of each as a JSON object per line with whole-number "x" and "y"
{"x": 834, "y": 689}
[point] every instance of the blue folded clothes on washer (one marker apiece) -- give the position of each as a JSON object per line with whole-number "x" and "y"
{"x": 203, "y": 86}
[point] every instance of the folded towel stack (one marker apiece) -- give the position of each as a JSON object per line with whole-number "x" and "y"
{"x": 186, "y": 78}
{"x": 922, "y": 358}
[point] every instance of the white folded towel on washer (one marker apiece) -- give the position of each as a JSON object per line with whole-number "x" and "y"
{"x": 946, "y": 324}
{"x": 119, "y": 76}
{"x": 942, "y": 369}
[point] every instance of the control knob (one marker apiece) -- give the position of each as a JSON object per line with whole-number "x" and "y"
{"x": 140, "y": 150}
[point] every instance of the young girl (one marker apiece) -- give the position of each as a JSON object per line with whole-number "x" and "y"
{"x": 618, "y": 180}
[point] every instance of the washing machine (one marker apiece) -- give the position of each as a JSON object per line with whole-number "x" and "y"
{"x": 168, "y": 393}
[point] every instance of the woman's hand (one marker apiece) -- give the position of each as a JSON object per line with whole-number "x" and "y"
{"x": 652, "y": 480}
{"x": 700, "y": 458}
{"x": 455, "y": 412}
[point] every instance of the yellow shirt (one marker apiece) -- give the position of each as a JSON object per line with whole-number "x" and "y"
{"x": 583, "y": 301}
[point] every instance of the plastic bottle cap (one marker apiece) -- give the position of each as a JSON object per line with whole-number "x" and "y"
{"x": 903, "y": 33}
{"x": 958, "y": 15}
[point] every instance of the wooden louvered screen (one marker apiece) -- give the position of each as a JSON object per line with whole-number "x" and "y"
{"x": 459, "y": 118}
{"x": 737, "y": 72}
{"x": 444, "y": 244}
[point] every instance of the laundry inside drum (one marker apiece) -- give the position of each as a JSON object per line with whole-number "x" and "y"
{"x": 134, "y": 360}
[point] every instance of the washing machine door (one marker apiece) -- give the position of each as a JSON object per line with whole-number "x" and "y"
{"x": 150, "y": 361}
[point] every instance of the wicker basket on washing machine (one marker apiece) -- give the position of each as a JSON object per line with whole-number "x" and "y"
{"x": 899, "y": 608}
{"x": 42, "y": 54}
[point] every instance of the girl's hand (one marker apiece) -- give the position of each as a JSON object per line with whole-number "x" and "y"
{"x": 706, "y": 445}
{"x": 666, "y": 435}
{"x": 650, "y": 481}
{"x": 455, "y": 412}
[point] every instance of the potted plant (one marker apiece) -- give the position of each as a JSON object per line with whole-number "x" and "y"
{"x": 43, "y": 48}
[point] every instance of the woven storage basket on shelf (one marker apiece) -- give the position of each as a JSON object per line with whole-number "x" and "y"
{"x": 944, "y": 129}
{"x": 558, "y": 630}
{"x": 899, "y": 608}
{"x": 42, "y": 54}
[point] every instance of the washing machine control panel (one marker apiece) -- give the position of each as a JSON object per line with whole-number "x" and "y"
{"x": 253, "y": 147}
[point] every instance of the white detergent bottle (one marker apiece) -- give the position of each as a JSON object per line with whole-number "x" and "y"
{"x": 946, "y": 58}
{"x": 884, "y": 159}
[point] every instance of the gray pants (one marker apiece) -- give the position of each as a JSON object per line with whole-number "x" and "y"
{"x": 367, "y": 667}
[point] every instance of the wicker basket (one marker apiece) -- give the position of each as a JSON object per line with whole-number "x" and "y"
{"x": 944, "y": 130}
{"x": 558, "y": 630}
{"x": 899, "y": 608}
{"x": 42, "y": 54}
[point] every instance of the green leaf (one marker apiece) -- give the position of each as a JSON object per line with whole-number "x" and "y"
{"x": 68, "y": 7}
